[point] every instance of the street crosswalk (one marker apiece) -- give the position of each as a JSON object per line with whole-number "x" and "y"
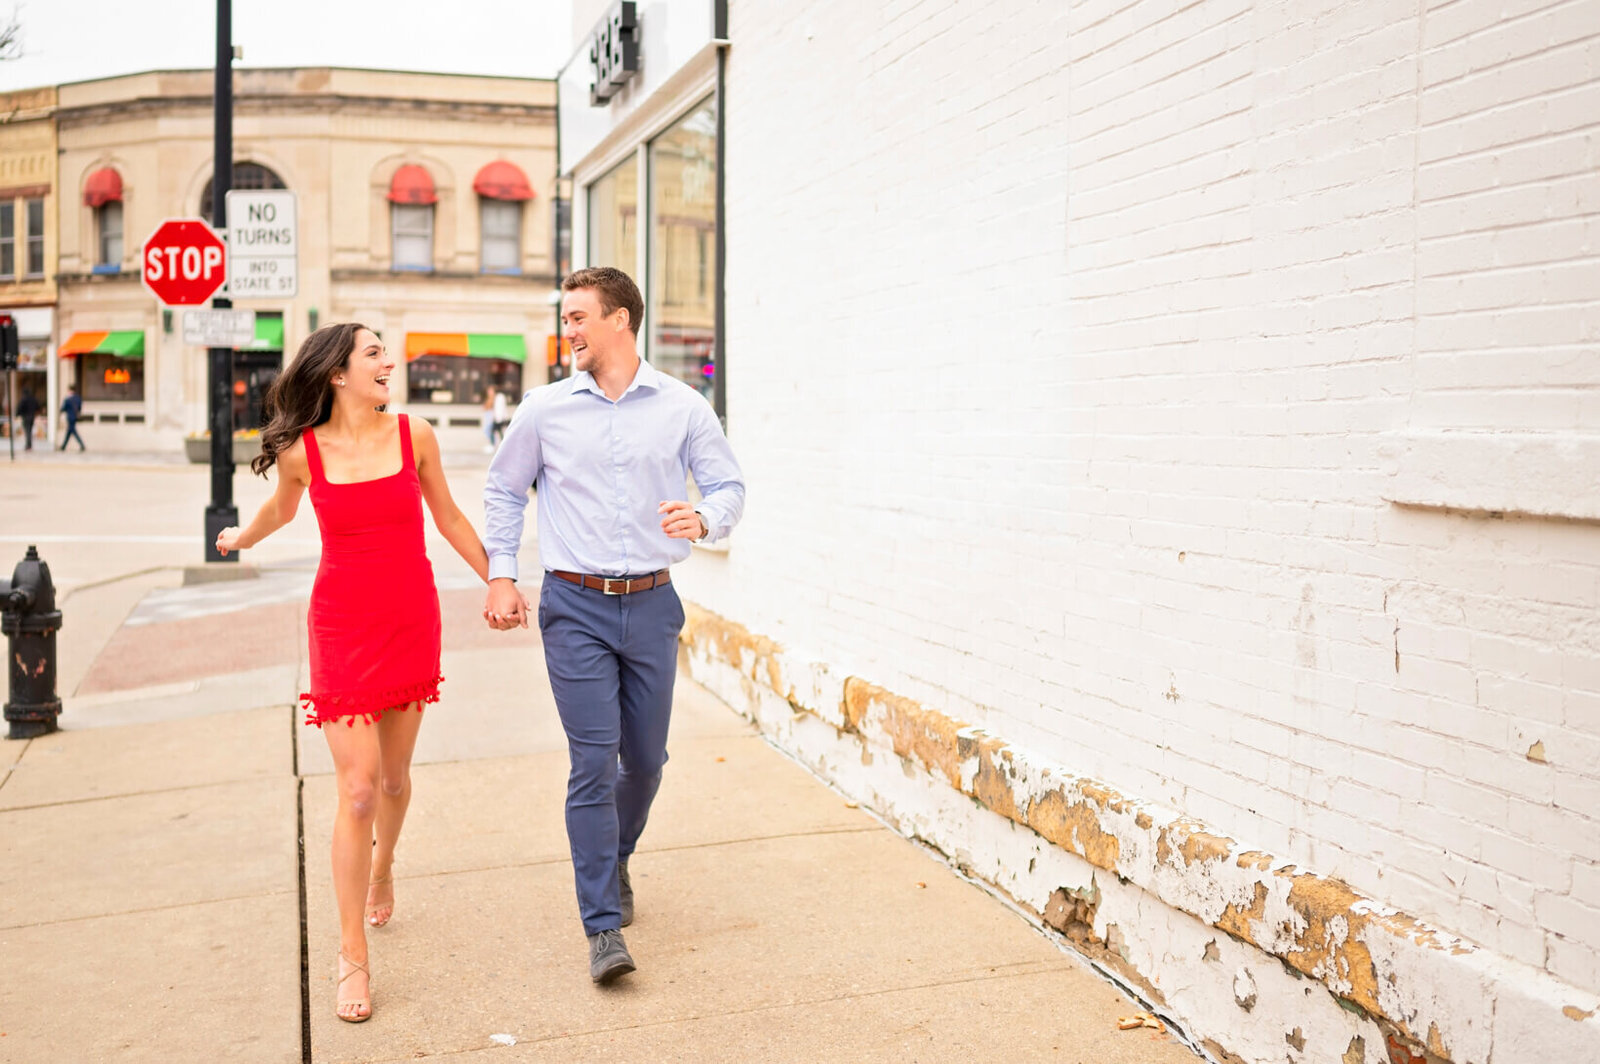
{"x": 273, "y": 586}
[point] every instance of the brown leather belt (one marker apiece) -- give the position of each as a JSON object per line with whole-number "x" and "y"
{"x": 616, "y": 585}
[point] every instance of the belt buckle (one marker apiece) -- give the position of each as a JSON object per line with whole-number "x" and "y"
{"x": 607, "y": 581}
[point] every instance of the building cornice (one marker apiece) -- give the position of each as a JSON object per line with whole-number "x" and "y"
{"x": 97, "y": 278}
{"x": 278, "y": 104}
{"x": 355, "y": 273}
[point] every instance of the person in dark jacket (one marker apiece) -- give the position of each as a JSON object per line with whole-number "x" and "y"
{"x": 27, "y": 410}
{"x": 72, "y": 409}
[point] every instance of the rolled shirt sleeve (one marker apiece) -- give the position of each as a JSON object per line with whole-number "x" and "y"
{"x": 716, "y": 473}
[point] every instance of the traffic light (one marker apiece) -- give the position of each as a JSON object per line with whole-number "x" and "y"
{"x": 8, "y": 342}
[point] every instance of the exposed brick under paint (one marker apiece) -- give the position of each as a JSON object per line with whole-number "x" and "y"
{"x": 1381, "y": 964}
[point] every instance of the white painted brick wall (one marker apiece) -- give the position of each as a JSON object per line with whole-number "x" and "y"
{"x": 1067, "y": 343}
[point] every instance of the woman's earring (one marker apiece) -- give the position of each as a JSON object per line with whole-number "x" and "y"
{"x": 341, "y": 383}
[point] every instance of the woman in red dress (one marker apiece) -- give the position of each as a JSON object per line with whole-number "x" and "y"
{"x": 374, "y": 615}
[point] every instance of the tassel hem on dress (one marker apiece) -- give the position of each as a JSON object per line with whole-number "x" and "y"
{"x": 370, "y": 706}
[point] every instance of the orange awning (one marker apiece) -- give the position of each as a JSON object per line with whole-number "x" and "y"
{"x": 104, "y": 186}
{"x": 81, "y": 343}
{"x": 412, "y": 184}
{"x": 508, "y": 346}
{"x": 419, "y": 344}
{"x": 502, "y": 181}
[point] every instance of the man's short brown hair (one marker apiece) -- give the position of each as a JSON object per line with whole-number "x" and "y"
{"x": 615, "y": 289}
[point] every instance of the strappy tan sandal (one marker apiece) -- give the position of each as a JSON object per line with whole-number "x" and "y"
{"x": 374, "y": 910}
{"x": 340, "y": 1004}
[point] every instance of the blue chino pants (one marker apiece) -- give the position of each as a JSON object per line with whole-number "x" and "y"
{"x": 612, "y": 660}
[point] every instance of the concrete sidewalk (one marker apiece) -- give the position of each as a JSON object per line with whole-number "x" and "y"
{"x": 155, "y": 904}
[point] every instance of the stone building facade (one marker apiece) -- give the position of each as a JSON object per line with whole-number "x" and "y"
{"x": 28, "y": 238}
{"x": 424, "y": 211}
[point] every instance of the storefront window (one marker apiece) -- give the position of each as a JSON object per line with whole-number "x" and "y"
{"x": 458, "y": 379}
{"x": 253, "y": 374}
{"x": 32, "y": 367}
{"x": 108, "y": 377}
{"x": 614, "y": 219}
{"x": 681, "y": 293}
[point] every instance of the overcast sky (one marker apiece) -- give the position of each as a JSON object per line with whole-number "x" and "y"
{"x": 77, "y": 40}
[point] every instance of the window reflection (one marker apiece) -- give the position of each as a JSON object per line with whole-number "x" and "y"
{"x": 681, "y": 292}
{"x": 614, "y": 219}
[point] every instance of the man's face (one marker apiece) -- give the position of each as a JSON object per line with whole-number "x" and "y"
{"x": 591, "y": 332}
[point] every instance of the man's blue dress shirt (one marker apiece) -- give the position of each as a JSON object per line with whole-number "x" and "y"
{"x": 602, "y": 469}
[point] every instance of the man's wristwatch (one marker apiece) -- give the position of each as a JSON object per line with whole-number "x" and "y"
{"x": 704, "y": 524}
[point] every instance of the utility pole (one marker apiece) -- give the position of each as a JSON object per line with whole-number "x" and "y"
{"x": 221, "y": 513}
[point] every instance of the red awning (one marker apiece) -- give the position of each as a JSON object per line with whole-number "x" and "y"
{"x": 412, "y": 184}
{"x": 104, "y": 186}
{"x": 503, "y": 181}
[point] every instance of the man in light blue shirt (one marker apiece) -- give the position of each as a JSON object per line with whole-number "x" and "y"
{"x": 610, "y": 449}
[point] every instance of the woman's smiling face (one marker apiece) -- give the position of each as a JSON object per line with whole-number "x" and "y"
{"x": 366, "y": 375}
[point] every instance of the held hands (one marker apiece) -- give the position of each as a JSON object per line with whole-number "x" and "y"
{"x": 680, "y": 521}
{"x": 505, "y": 607}
{"x": 228, "y": 539}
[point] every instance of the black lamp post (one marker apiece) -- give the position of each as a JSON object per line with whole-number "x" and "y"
{"x": 221, "y": 513}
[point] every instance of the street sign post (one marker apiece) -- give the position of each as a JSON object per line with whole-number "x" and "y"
{"x": 263, "y": 247}
{"x": 185, "y": 262}
{"x": 219, "y": 328}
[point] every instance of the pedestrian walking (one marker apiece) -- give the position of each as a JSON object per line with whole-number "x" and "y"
{"x": 374, "y": 614}
{"x": 28, "y": 410}
{"x": 610, "y": 448}
{"x": 72, "y": 409}
{"x": 502, "y": 419}
{"x": 489, "y": 429}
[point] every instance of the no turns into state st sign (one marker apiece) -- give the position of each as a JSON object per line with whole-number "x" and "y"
{"x": 263, "y": 243}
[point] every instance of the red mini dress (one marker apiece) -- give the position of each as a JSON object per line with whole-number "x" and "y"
{"x": 374, "y": 616}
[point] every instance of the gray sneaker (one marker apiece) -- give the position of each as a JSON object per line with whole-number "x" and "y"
{"x": 626, "y": 892}
{"x": 608, "y": 956}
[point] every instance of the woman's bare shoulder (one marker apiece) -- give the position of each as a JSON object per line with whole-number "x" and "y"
{"x": 292, "y": 460}
{"x": 421, "y": 427}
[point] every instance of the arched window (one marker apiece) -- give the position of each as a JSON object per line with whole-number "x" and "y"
{"x": 245, "y": 175}
{"x": 108, "y": 220}
{"x": 102, "y": 193}
{"x": 411, "y": 199}
{"x": 502, "y": 188}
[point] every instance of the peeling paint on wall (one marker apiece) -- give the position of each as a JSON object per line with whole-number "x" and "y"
{"x": 1411, "y": 986}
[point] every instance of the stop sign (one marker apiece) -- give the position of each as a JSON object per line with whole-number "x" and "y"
{"x": 185, "y": 262}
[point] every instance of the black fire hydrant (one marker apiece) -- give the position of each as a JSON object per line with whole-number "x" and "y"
{"x": 29, "y": 619}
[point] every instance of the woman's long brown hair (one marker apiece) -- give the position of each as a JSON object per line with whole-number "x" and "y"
{"x": 302, "y": 396}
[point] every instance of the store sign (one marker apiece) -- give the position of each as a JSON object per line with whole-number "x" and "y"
{"x": 614, "y": 52}
{"x": 219, "y": 328}
{"x": 118, "y": 375}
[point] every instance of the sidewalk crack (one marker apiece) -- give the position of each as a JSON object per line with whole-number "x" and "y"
{"x": 5, "y": 779}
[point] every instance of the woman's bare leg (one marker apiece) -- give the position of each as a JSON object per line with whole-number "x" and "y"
{"x": 397, "y": 739}
{"x": 356, "y": 768}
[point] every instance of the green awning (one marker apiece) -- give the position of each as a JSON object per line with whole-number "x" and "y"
{"x": 509, "y": 346}
{"x": 124, "y": 343}
{"x": 269, "y": 334}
